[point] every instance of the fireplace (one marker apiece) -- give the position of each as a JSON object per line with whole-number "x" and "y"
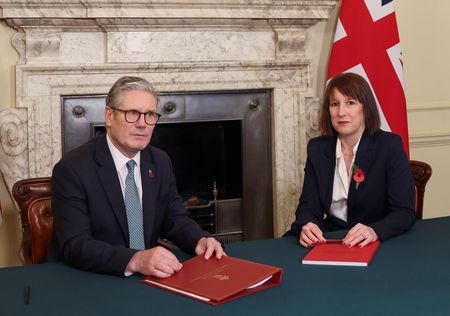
{"x": 83, "y": 47}
{"x": 220, "y": 146}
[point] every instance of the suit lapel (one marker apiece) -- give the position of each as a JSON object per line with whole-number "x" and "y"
{"x": 364, "y": 159}
{"x": 327, "y": 173}
{"x": 110, "y": 181}
{"x": 149, "y": 191}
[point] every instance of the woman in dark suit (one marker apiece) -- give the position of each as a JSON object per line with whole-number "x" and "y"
{"x": 357, "y": 176}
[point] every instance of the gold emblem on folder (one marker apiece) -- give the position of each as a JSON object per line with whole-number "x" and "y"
{"x": 221, "y": 277}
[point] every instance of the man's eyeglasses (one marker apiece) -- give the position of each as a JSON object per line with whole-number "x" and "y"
{"x": 132, "y": 116}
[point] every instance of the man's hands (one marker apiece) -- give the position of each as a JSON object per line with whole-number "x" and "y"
{"x": 157, "y": 261}
{"x": 161, "y": 263}
{"x": 207, "y": 246}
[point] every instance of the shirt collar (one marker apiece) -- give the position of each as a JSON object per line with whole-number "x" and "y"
{"x": 120, "y": 160}
{"x": 339, "y": 153}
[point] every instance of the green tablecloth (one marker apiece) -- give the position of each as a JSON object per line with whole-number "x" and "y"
{"x": 409, "y": 275}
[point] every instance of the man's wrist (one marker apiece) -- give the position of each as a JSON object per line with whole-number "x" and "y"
{"x": 131, "y": 266}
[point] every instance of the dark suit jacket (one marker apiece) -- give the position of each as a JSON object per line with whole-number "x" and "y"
{"x": 383, "y": 201}
{"x": 90, "y": 225}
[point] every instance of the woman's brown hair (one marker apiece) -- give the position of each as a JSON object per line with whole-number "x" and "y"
{"x": 356, "y": 87}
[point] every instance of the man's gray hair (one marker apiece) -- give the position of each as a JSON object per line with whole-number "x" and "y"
{"x": 125, "y": 84}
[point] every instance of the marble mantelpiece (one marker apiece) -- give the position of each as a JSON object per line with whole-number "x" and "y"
{"x": 82, "y": 47}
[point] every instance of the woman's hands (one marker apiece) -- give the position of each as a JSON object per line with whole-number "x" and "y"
{"x": 360, "y": 235}
{"x": 311, "y": 235}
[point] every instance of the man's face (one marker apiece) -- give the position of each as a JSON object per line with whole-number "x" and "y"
{"x": 130, "y": 138}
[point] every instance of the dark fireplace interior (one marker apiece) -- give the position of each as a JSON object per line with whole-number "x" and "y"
{"x": 204, "y": 153}
{"x": 220, "y": 147}
{"x": 207, "y": 163}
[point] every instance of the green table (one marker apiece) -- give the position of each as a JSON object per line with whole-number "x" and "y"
{"x": 409, "y": 275}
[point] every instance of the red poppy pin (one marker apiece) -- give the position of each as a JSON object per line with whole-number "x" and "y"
{"x": 151, "y": 174}
{"x": 358, "y": 175}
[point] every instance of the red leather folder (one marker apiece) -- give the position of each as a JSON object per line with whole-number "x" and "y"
{"x": 339, "y": 255}
{"x": 216, "y": 281}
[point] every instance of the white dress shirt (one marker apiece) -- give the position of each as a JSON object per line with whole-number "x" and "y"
{"x": 120, "y": 161}
{"x": 341, "y": 182}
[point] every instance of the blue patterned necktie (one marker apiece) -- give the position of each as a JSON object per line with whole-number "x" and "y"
{"x": 134, "y": 210}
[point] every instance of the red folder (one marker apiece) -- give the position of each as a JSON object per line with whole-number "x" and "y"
{"x": 339, "y": 255}
{"x": 216, "y": 281}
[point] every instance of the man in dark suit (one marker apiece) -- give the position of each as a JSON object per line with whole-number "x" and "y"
{"x": 113, "y": 197}
{"x": 357, "y": 177}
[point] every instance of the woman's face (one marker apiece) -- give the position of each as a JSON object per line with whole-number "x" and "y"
{"x": 347, "y": 115}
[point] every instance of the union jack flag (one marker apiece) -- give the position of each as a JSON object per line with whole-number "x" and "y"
{"x": 366, "y": 42}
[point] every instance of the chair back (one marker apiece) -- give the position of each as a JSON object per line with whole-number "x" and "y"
{"x": 34, "y": 199}
{"x": 421, "y": 172}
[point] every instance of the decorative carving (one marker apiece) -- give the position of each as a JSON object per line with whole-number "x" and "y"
{"x": 254, "y": 104}
{"x": 419, "y": 174}
{"x": 313, "y": 106}
{"x": 24, "y": 193}
{"x": 44, "y": 45}
{"x": 170, "y": 107}
{"x": 290, "y": 44}
{"x": 78, "y": 111}
{"x": 13, "y": 134}
{"x": 19, "y": 41}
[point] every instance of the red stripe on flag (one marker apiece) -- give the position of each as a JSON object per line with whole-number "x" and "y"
{"x": 366, "y": 43}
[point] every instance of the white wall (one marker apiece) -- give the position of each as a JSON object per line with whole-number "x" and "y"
{"x": 424, "y": 30}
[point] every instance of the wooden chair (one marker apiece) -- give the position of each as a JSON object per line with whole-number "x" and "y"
{"x": 35, "y": 204}
{"x": 34, "y": 199}
{"x": 421, "y": 173}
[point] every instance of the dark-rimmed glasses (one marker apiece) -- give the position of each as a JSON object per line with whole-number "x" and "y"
{"x": 132, "y": 116}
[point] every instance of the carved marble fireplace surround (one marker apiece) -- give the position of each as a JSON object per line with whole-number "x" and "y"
{"x": 79, "y": 47}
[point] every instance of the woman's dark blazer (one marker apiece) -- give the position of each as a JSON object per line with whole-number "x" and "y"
{"x": 383, "y": 201}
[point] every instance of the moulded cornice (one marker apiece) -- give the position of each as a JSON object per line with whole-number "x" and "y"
{"x": 165, "y": 9}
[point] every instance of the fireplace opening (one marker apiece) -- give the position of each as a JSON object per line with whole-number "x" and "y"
{"x": 207, "y": 164}
{"x": 203, "y": 153}
{"x": 220, "y": 147}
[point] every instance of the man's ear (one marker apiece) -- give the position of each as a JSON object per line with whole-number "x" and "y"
{"x": 108, "y": 116}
